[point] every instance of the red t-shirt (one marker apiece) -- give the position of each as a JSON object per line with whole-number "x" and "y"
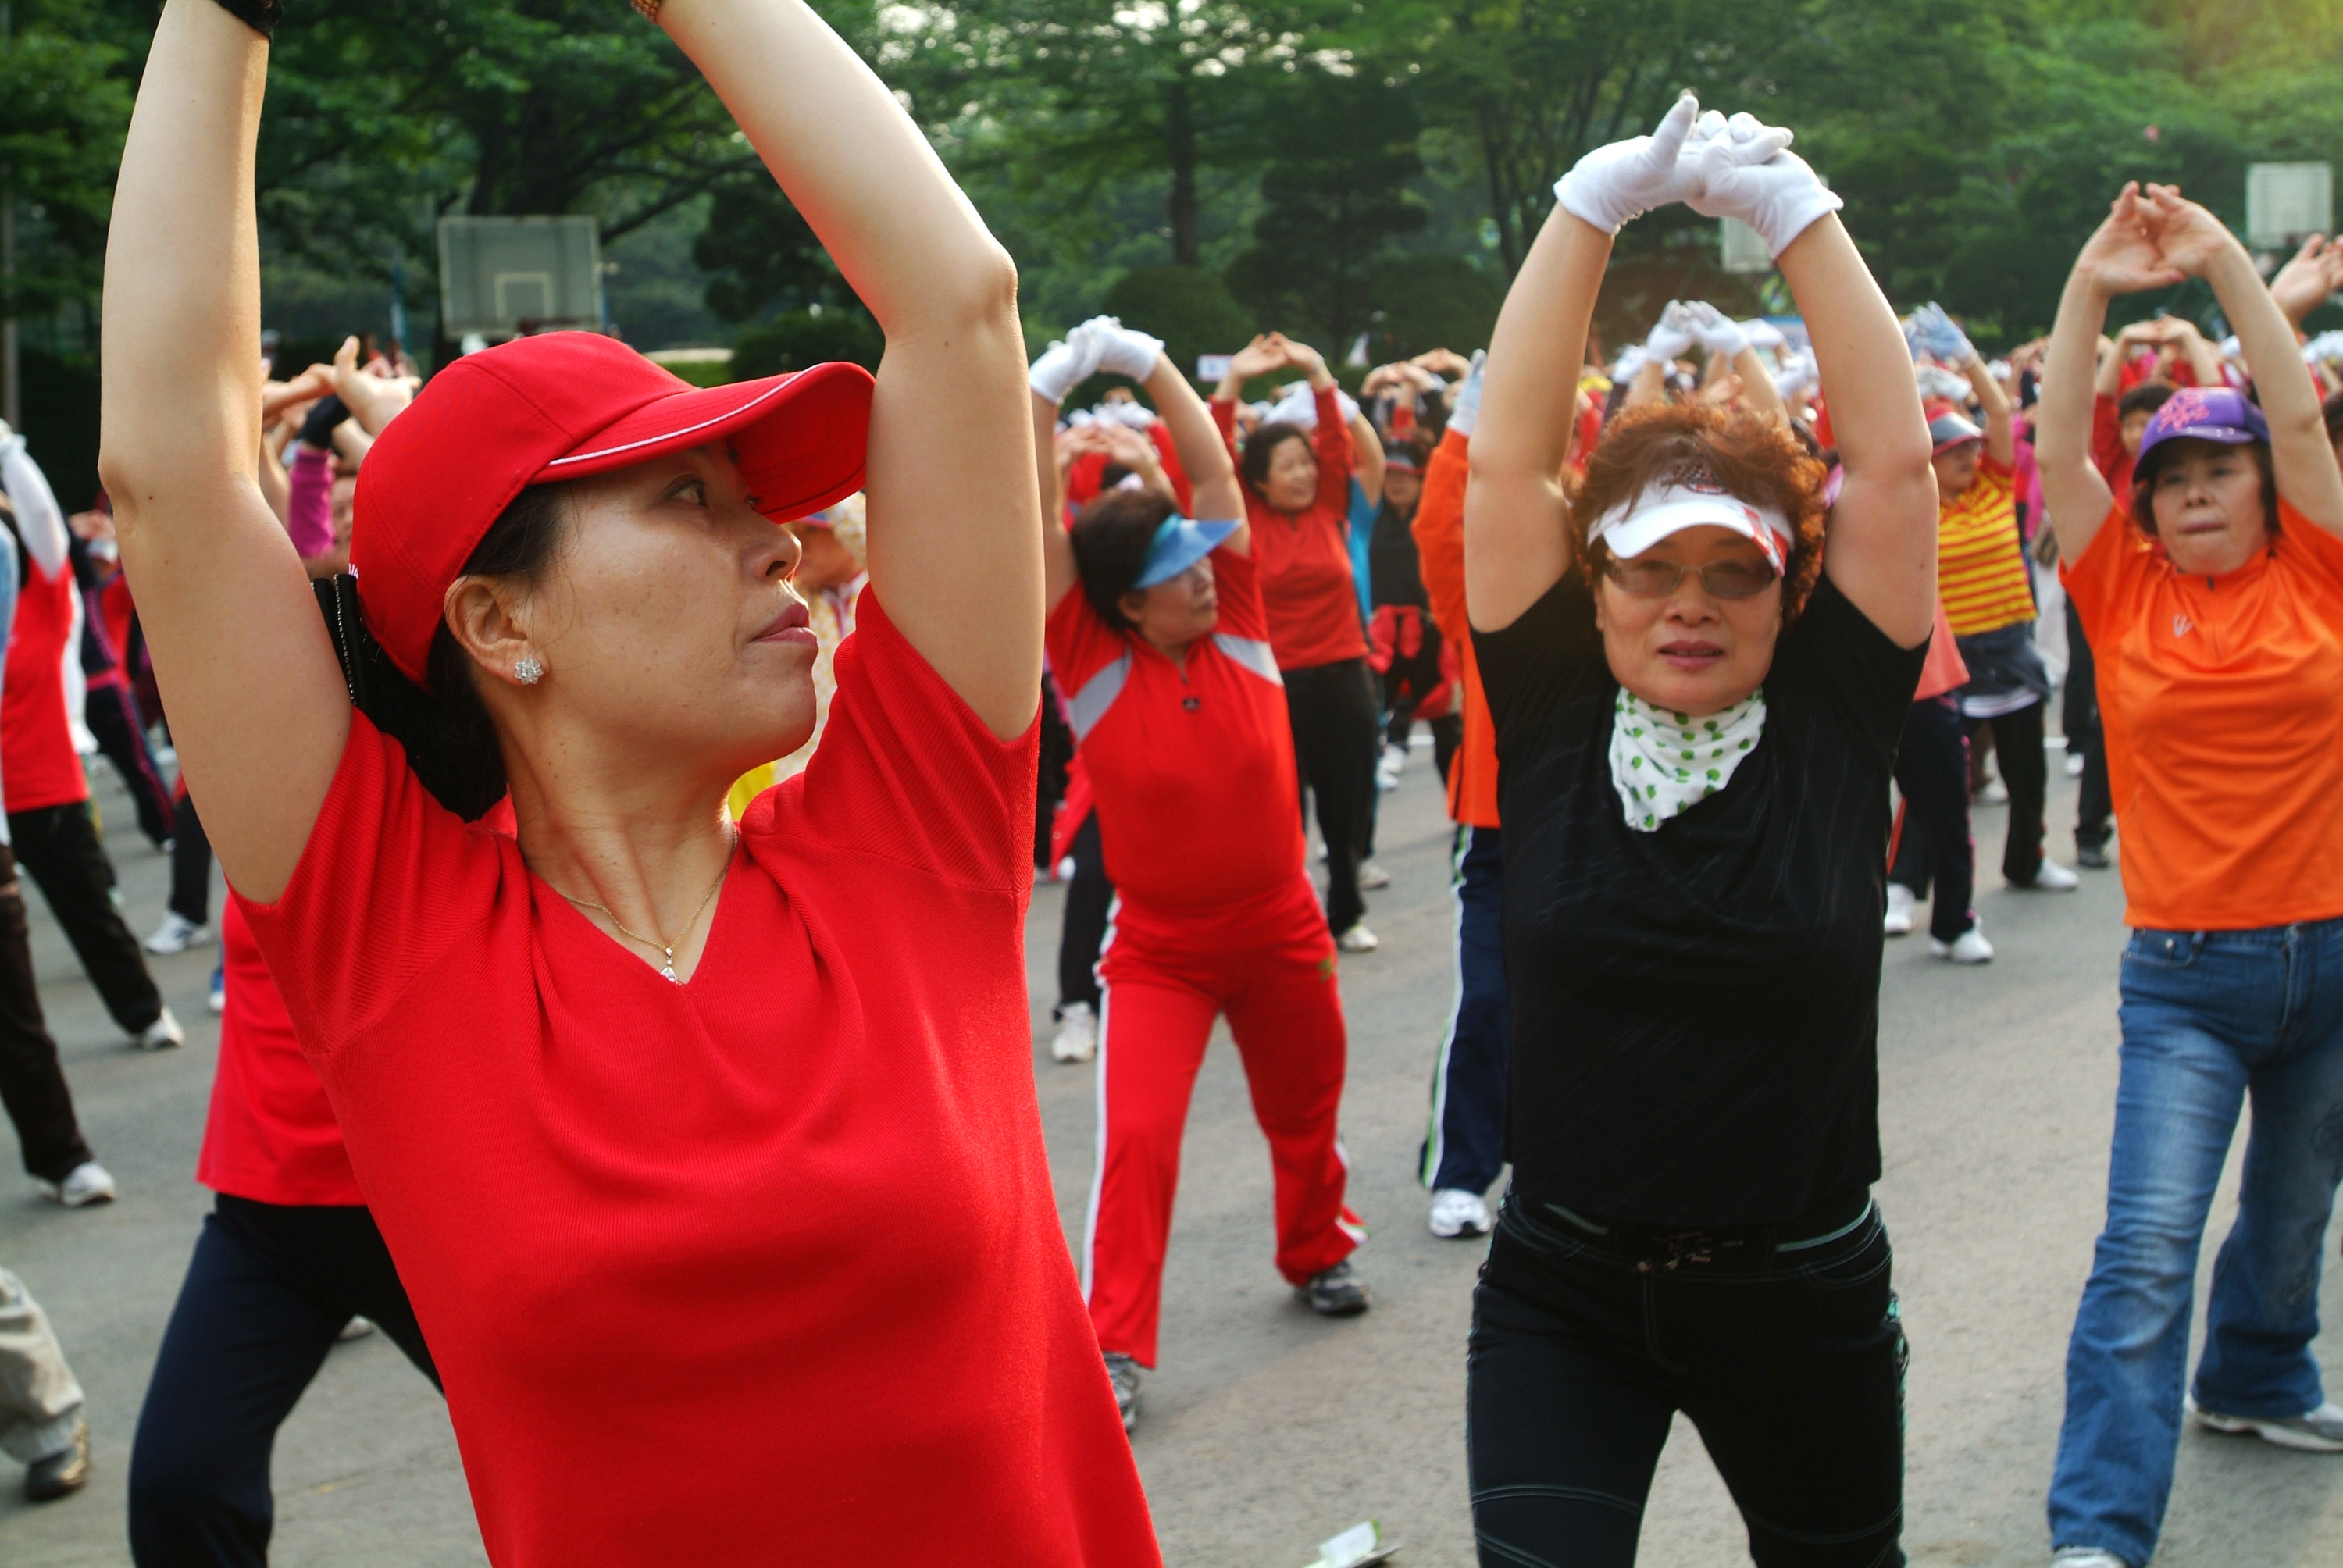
{"x": 1193, "y": 770}
{"x": 761, "y": 1268}
{"x": 1305, "y": 557}
{"x": 271, "y": 1136}
{"x": 35, "y": 734}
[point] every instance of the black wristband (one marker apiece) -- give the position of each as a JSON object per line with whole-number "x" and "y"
{"x": 318, "y": 429}
{"x": 260, "y": 15}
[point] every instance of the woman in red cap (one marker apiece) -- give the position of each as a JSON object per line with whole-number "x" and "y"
{"x": 733, "y": 1130}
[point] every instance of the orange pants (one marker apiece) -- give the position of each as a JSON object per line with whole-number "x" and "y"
{"x": 1269, "y": 965}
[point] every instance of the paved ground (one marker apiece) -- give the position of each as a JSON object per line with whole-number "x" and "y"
{"x": 1267, "y": 1428}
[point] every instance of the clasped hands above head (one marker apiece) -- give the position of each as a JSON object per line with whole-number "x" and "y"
{"x": 1719, "y": 166}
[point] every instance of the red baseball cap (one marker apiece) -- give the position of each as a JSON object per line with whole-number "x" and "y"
{"x": 563, "y": 405}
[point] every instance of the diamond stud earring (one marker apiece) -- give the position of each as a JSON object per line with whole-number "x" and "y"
{"x": 527, "y": 671}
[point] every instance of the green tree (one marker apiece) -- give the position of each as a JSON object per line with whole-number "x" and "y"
{"x": 1337, "y": 198}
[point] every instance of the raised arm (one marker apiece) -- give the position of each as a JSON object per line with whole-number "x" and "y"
{"x": 1882, "y": 534}
{"x": 1366, "y": 457}
{"x": 2310, "y": 279}
{"x": 955, "y": 547}
{"x": 258, "y": 710}
{"x": 2120, "y": 259}
{"x": 40, "y": 521}
{"x": 2000, "y": 419}
{"x": 2194, "y": 242}
{"x": 1203, "y": 455}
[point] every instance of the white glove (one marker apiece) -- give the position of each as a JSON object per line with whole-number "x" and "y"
{"x": 1762, "y": 333}
{"x": 1745, "y": 169}
{"x": 1625, "y": 180}
{"x": 1936, "y": 381}
{"x": 1064, "y": 365}
{"x": 1630, "y": 362}
{"x": 2231, "y": 349}
{"x": 1933, "y": 331}
{"x": 1718, "y": 333}
{"x": 1467, "y": 412}
{"x": 1999, "y": 369}
{"x": 1672, "y": 333}
{"x": 1794, "y": 374}
{"x": 1124, "y": 350}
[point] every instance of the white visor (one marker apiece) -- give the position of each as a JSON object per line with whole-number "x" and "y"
{"x": 1633, "y": 526}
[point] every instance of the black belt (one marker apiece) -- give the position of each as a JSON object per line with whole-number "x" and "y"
{"x": 1670, "y": 1247}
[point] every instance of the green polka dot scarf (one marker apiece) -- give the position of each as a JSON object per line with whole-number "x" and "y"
{"x": 1662, "y": 762}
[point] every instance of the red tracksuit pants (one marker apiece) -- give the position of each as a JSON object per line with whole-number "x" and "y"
{"x": 1165, "y": 977}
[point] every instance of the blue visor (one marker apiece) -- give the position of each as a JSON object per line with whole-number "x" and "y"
{"x": 1178, "y": 544}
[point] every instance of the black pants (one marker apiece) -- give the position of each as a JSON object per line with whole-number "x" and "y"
{"x": 2095, "y": 802}
{"x": 1932, "y": 770}
{"x": 1787, "y": 1354}
{"x": 2017, "y": 743}
{"x": 269, "y": 1289}
{"x": 32, "y": 1079}
{"x": 1057, "y": 753}
{"x": 191, "y": 863}
{"x": 1089, "y": 896}
{"x": 112, "y": 715}
{"x": 1447, "y": 735}
{"x": 1331, "y": 707}
{"x": 59, "y": 845}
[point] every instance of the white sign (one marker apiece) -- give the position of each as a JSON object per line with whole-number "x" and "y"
{"x": 1212, "y": 369}
{"x": 501, "y": 276}
{"x": 2284, "y": 202}
{"x": 1744, "y": 249}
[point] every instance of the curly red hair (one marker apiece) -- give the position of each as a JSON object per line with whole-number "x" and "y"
{"x": 1757, "y": 459}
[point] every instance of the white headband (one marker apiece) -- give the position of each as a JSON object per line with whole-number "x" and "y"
{"x": 1663, "y": 509}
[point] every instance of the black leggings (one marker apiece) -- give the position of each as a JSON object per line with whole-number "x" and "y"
{"x": 1089, "y": 898}
{"x": 1932, "y": 768}
{"x": 1787, "y": 1355}
{"x": 269, "y": 1289}
{"x": 112, "y": 714}
{"x": 59, "y": 846}
{"x": 31, "y": 1081}
{"x": 1336, "y": 727}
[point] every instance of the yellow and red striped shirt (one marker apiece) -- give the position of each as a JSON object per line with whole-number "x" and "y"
{"x": 1980, "y": 560}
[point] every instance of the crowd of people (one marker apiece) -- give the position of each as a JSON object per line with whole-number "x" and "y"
{"x": 629, "y": 796}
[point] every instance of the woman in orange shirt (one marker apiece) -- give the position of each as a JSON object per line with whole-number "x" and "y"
{"x": 2213, "y": 596}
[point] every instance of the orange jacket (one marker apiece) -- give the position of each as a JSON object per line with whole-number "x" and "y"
{"x": 1439, "y": 530}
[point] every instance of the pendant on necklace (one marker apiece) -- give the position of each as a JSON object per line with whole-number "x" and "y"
{"x": 669, "y": 972}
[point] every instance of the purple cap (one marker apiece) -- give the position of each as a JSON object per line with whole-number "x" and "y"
{"x": 2205, "y": 414}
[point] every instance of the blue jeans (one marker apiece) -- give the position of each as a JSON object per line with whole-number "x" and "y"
{"x": 2208, "y": 1019}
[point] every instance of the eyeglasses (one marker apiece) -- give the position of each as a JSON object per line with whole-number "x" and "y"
{"x": 1722, "y": 580}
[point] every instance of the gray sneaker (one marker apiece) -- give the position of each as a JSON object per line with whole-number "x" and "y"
{"x": 2314, "y": 1431}
{"x": 1334, "y": 1292}
{"x": 1123, "y": 1371}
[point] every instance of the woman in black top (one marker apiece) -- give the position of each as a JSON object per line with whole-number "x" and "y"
{"x": 1695, "y": 725}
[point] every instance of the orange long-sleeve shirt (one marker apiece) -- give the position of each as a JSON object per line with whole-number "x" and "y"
{"x": 1439, "y": 530}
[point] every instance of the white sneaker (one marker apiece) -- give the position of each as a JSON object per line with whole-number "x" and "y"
{"x": 177, "y": 934}
{"x": 1387, "y": 771}
{"x": 1456, "y": 1213}
{"x": 1372, "y": 876}
{"x": 2086, "y": 1557}
{"x": 163, "y": 1033}
{"x": 1969, "y": 948}
{"x": 2074, "y": 765}
{"x": 1995, "y": 793}
{"x": 1900, "y": 905}
{"x": 217, "y": 1001}
{"x": 87, "y": 1183}
{"x": 1077, "y": 1036}
{"x": 2051, "y": 877}
{"x": 2317, "y": 1431}
{"x": 1358, "y": 939}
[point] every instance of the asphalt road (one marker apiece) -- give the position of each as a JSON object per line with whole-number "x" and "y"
{"x": 1267, "y": 1430}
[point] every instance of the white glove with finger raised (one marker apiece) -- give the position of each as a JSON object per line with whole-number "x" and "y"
{"x": 1743, "y": 168}
{"x": 1718, "y": 333}
{"x": 1615, "y": 184}
{"x": 1794, "y": 374}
